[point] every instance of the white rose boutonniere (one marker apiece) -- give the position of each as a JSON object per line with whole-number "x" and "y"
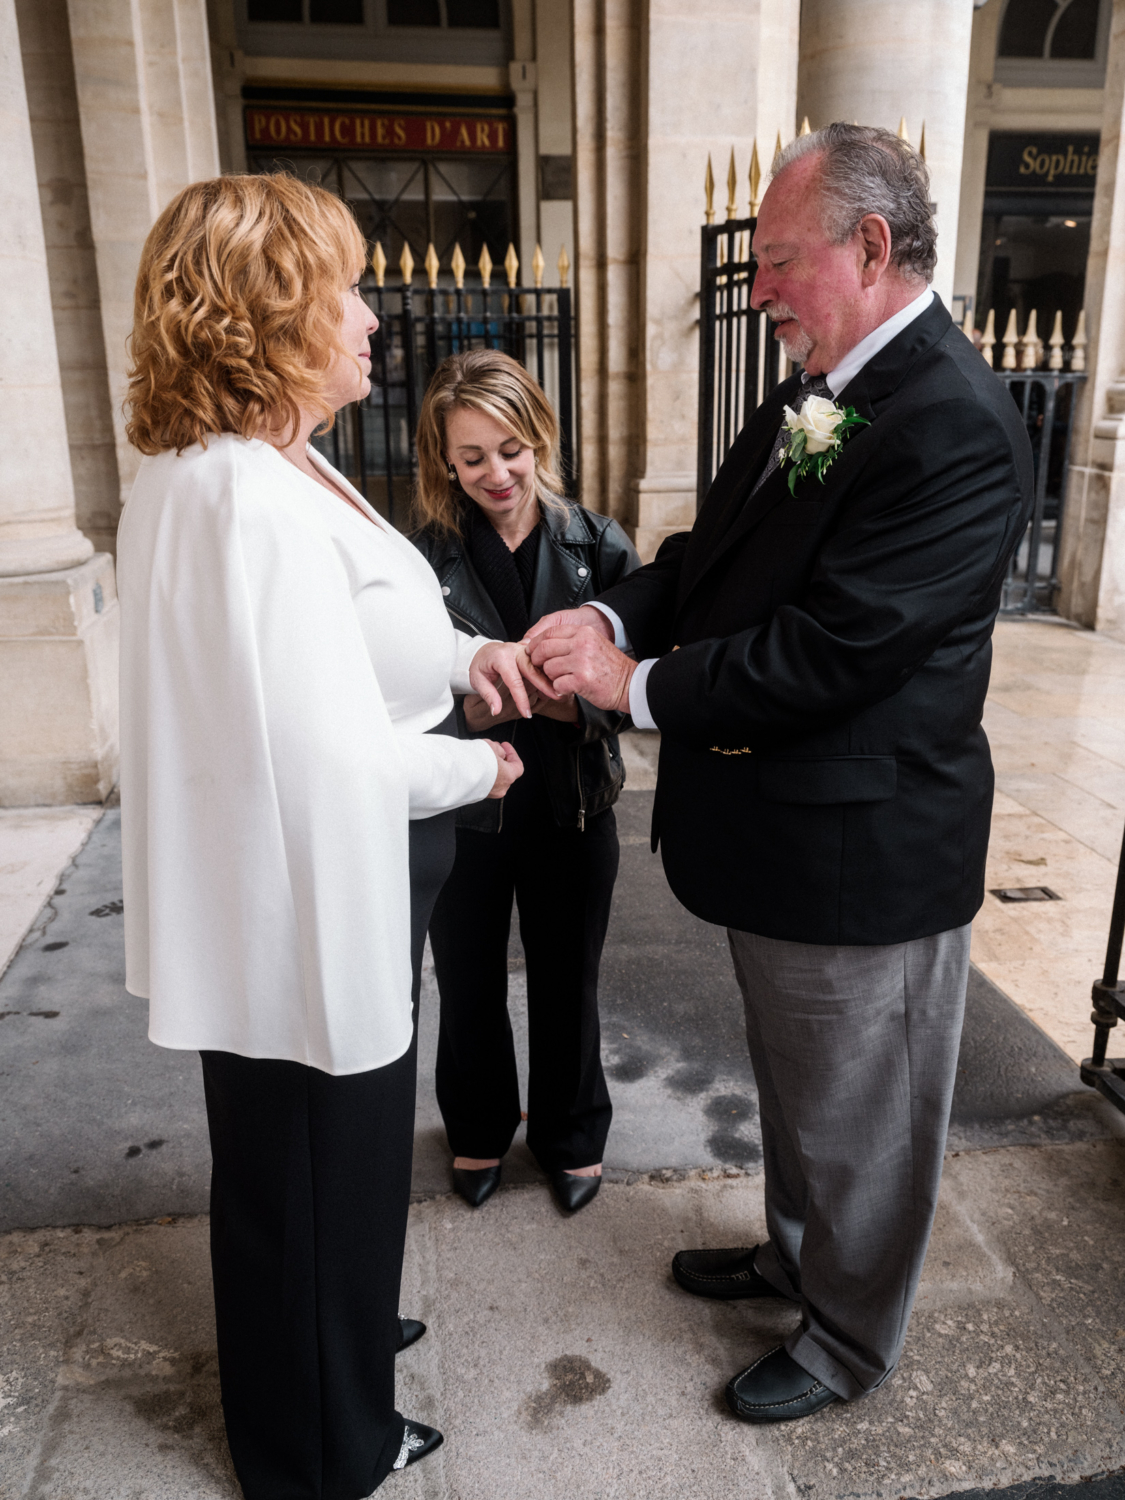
{"x": 816, "y": 434}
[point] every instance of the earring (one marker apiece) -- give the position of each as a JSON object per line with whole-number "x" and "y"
{"x": 452, "y": 472}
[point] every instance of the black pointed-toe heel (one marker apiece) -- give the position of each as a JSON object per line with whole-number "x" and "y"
{"x": 418, "y": 1441}
{"x": 574, "y": 1192}
{"x": 476, "y": 1185}
{"x": 410, "y": 1330}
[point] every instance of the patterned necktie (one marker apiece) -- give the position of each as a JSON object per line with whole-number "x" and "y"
{"x": 811, "y": 385}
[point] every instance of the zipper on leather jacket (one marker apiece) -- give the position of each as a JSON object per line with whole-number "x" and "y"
{"x": 473, "y": 626}
{"x": 581, "y": 791}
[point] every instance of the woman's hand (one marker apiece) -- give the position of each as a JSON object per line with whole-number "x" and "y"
{"x": 503, "y": 664}
{"x": 509, "y": 768}
{"x": 479, "y": 716}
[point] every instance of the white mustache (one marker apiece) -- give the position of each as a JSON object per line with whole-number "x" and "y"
{"x": 780, "y": 312}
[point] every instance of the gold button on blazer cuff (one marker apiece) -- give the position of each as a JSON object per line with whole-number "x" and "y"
{"x": 742, "y": 750}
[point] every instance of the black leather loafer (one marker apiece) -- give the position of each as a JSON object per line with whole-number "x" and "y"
{"x": 476, "y": 1185}
{"x": 574, "y": 1192}
{"x": 776, "y": 1389}
{"x": 410, "y": 1330}
{"x": 418, "y": 1441}
{"x": 722, "y": 1274}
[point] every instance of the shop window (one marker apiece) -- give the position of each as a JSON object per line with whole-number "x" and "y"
{"x": 1052, "y": 42}
{"x": 413, "y": 13}
{"x": 483, "y": 15}
{"x": 316, "y": 12}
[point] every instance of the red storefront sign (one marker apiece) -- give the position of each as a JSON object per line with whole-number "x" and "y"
{"x": 313, "y": 129}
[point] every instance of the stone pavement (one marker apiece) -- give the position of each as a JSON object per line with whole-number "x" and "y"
{"x": 561, "y": 1361}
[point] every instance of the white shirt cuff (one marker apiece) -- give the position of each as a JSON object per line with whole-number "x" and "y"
{"x": 620, "y": 635}
{"x": 638, "y": 693}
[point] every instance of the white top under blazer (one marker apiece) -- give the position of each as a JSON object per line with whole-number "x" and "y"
{"x": 281, "y": 660}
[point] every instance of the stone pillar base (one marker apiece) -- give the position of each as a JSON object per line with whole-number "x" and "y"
{"x": 58, "y": 684}
{"x": 662, "y": 505}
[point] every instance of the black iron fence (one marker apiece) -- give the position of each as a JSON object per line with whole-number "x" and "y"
{"x": 739, "y": 359}
{"x": 372, "y": 443}
{"x": 1046, "y": 400}
{"x": 740, "y": 363}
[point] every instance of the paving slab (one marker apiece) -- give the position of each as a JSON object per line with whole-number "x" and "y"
{"x": 562, "y": 1361}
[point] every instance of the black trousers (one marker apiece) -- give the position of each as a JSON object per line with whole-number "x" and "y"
{"x": 310, "y": 1189}
{"x": 563, "y": 884}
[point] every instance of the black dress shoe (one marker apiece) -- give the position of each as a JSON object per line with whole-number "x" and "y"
{"x": 410, "y": 1330}
{"x": 477, "y": 1184}
{"x": 776, "y": 1389}
{"x": 574, "y": 1192}
{"x": 723, "y": 1274}
{"x": 418, "y": 1440}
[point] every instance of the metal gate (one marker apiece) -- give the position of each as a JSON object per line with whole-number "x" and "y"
{"x": 372, "y": 442}
{"x": 739, "y": 359}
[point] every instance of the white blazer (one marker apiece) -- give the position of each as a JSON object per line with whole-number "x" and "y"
{"x": 281, "y": 660}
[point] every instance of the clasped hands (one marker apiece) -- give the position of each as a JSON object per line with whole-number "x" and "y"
{"x": 565, "y": 654}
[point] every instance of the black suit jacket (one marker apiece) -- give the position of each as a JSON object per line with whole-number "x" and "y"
{"x": 824, "y": 659}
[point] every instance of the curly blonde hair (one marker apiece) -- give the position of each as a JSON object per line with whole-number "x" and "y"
{"x": 237, "y": 310}
{"x": 488, "y": 381}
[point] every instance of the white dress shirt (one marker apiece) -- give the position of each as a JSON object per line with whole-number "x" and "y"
{"x": 281, "y": 659}
{"x": 846, "y": 371}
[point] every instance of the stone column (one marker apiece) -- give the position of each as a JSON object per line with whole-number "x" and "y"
{"x": 658, "y": 86}
{"x": 58, "y": 654}
{"x": 876, "y": 61}
{"x": 1092, "y": 559}
{"x": 71, "y": 265}
{"x": 142, "y": 74}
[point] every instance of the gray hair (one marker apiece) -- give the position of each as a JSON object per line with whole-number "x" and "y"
{"x": 867, "y": 170}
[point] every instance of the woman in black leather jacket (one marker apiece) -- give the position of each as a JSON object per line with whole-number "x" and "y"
{"x": 508, "y": 549}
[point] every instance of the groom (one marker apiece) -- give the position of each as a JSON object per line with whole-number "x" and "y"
{"x": 816, "y": 658}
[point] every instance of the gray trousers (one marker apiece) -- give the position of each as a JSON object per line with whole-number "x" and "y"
{"x": 854, "y": 1052}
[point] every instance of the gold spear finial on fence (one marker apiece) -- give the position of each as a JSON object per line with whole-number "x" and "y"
{"x": 432, "y": 265}
{"x": 1030, "y": 356}
{"x": 564, "y": 265}
{"x": 988, "y": 338}
{"x": 537, "y": 266}
{"x": 732, "y": 188}
{"x": 484, "y": 266}
{"x": 922, "y": 142}
{"x": 903, "y": 133}
{"x": 709, "y": 191}
{"x": 1056, "y": 344}
{"x": 1010, "y": 340}
{"x": 457, "y": 264}
{"x": 806, "y": 128}
{"x": 512, "y": 264}
{"x": 777, "y": 150}
{"x": 967, "y": 321}
{"x": 406, "y": 263}
{"x": 1078, "y": 348}
{"x": 378, "y": 263}
{"x": 755, "y": 180}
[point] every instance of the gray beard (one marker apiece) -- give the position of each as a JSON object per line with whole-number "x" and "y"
{"x": 797, "y": 347}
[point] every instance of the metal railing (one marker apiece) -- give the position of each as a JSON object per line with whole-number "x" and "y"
{"x": 373, "y": 442}
{"x": 1046, "y": 401}
{"x": 739, "y": 359}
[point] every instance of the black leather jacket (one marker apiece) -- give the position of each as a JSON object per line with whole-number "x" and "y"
{"x": 579, "y": 555}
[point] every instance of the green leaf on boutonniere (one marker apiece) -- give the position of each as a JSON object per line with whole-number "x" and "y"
{"x": 796, "y": 450}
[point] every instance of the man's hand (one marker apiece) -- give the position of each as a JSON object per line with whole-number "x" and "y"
{"x": 585, "y": 662}
{"x": 567, "y": 621}
{"x": 478, "y": 715}
{"x": 509, "y": 768}
{"x": 503, "y": 664}
{"x": 565, "y": 710}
